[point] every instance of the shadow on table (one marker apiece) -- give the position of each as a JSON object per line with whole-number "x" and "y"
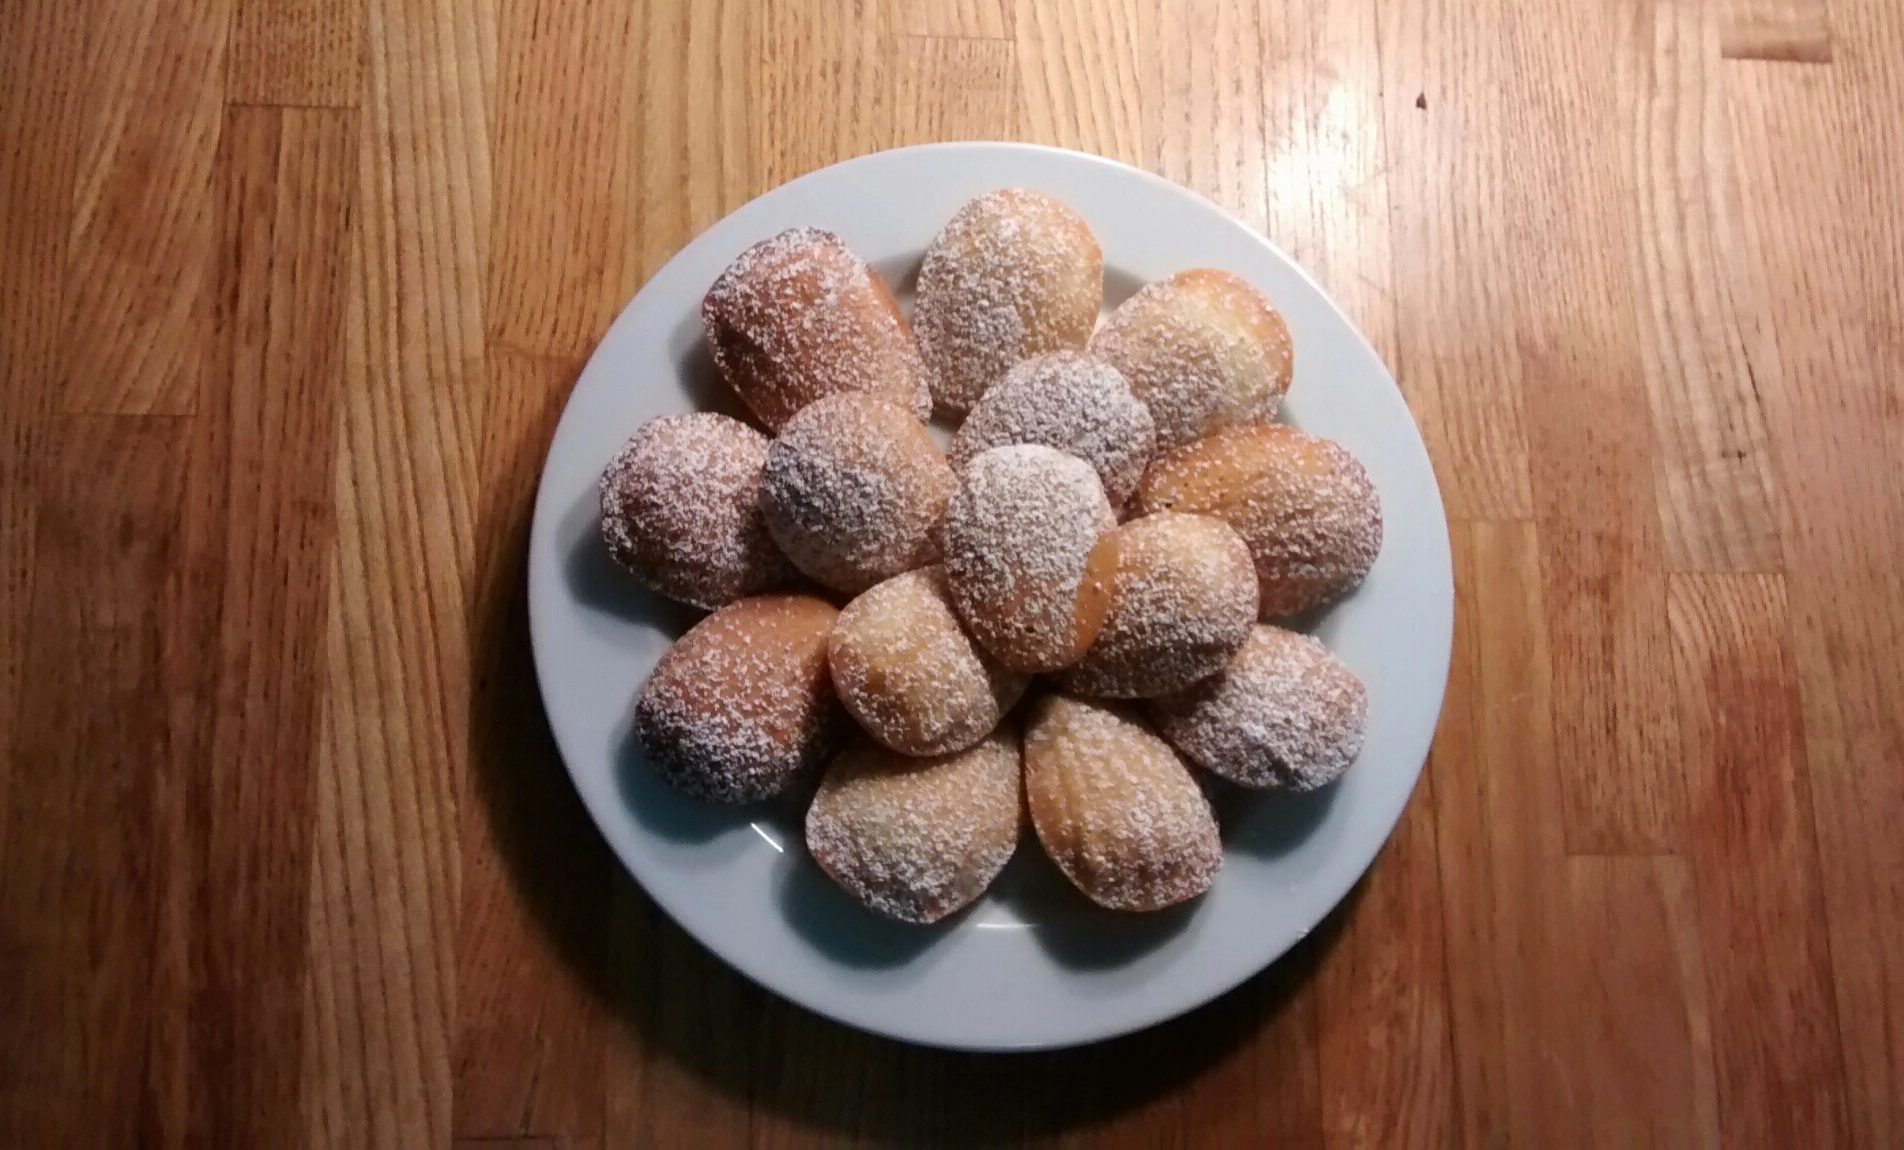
{"x": 682, "y": 1005}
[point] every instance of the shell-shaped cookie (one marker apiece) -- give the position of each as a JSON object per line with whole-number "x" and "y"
{"x": 1304, "y": 506}
{"x": 910, "y": 674}
{"x": 1115, "y": 807}
{"x": 1286, "y": 714}
{"x": 917, "y": 838}
{"x": 743, "y": 705}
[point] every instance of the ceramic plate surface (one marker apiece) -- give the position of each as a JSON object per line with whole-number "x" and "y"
{"x": 1032, "y": 964}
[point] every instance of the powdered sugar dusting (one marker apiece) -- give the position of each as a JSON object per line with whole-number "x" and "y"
{"x": 1182, "y": 603}
{"x": 1202, "y": 349}
{"x": 1018, "y": 536}
{"x": 910, "y": 674}
{"x": 799, "y": 316}
{"x": 1286, "y": 714}
{"x": 1074, "y": 402}
{"x": 1014, "y": 273}
{"x": 853, "y": 491}
{"x": 742, "y": 705}
{"x": 1305, "y": 506}
{"x": 1115, "y": 808}
{"x": 681, "y": 510}
{"x": 917, "y": 839}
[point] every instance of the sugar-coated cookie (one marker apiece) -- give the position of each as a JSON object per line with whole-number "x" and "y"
{"x": 800, "y": 316}
{"x": 917, "y": 838}
{"x": 1014, "y": 273}
{"x": 1305, "y": 506}
{"x": 1203, "y": 350}
{"x": 1115, "y": 807}
{"x": 743, "y": 704}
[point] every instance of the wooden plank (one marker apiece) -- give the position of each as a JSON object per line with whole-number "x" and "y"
{"x": 1446, "y": 136}
{"x": 821, "y": 93}
{"x": 564, "y": 117}
{"x": 1755, "y": 858}
{"x": 1502, "y": 848}
{"x": 1639, "y": 995}
{"x": 144, "y": 235}
{"x": 954, "y": 89}
{"x": 83, "y": 877}
{"x": 1384, "y": 1051}
{"x": 533, "y": 966}
{"x": 298, "y": 52}
{"x": 37, "y": 172}
{"x": 424, "y": 178}
{"x": 1809, "y": 144}
{"x": 1085, "y": 71}
{"x": 385, "y": 876}
{"x": 1575, "y": 318}
{"x": 1712, "y": 462}
{"x": 249, "y": 652}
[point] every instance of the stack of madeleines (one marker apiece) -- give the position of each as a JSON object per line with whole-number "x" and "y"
{"x": 1116, "y": 516}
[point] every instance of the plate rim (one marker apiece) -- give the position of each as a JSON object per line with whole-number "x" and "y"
{"x": 760, "y": 973}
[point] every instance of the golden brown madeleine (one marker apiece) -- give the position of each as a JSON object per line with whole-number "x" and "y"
{"x": 800, "y": 316}
{"x": 681, "y": 510}
{"x": 1305, "y": 507}
{"x": 1115, "y": 807}
{"x": 917, "y": 839}
{"x": 1013, "y": 274}
{"x": 910, "y": 674}
{"x": 1074, "y": 402}
{"x": 1286, "y": 715}
{"x": 743, "y": 704}
{"x": 1182, "y": 602}
{"x": 853, "y": 490}
{"x": 1203, "y": 350}
{"x": 1022, "y": 560}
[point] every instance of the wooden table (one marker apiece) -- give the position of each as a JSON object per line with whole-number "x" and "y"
{"x": 291, "y": 294}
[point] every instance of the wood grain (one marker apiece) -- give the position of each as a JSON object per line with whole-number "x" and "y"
{"x": 1780, "y": 1075}
{"x": 1799, "y": 140}
{"x": 529, "y": 1050}
{"x": 686, "y": 136}
{"x": 255, "y": 603}
{"x": 1086, "y": 69}
{"x": 300, "y": 52}
{"x": 291, "y": 295}
{"x": 144, "y": 236}
{"x": 562, "y": 113}
{"x": 1712, "y": 462}
{"x": 1791, "y": 31}
{"x": 1498, "y": 814}
{"x": 1591, "y": 447}
{"x": 37, "y": 173}
{"x": 1446, "y": 133}
{"x": 832, "y": 58}
{"x": 81, "y": 896}
{"x": 954, "y": 88}
{"x": 1637, "y": 1006}
{"x": 958, "y": 19}
{"x": 1212, "y": 129}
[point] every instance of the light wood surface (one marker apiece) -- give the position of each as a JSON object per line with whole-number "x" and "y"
{"x": 291, "y": 295}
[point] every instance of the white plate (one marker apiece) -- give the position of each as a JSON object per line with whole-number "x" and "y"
{"x": 1032, "y": 964}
